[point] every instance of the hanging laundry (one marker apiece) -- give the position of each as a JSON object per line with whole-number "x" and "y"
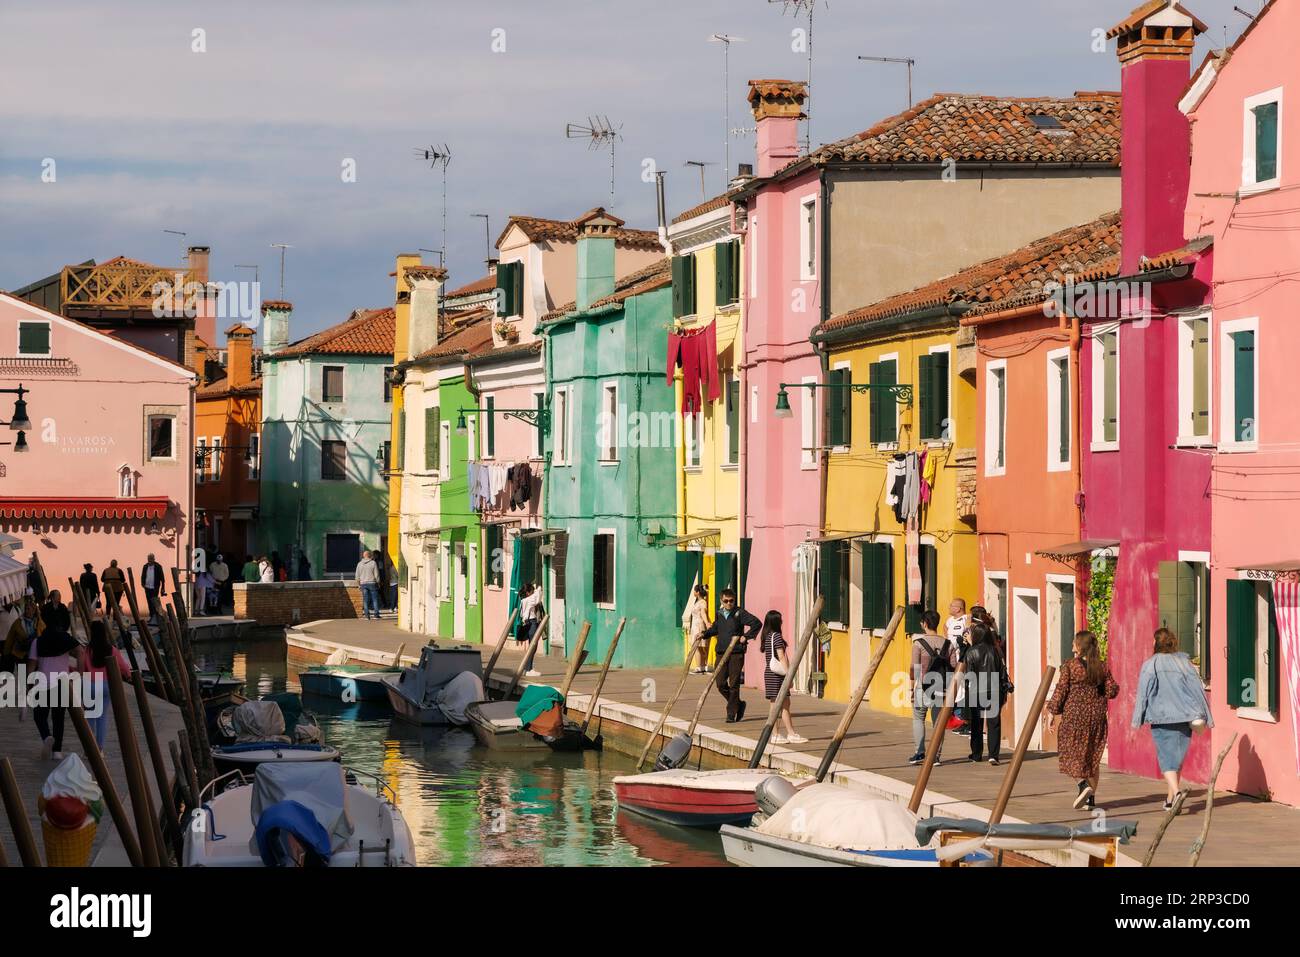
{"x": 925, "y": 457}
{"x": 696, "y": 352}
{"x": 895, "y": 478}
{"x": 929, "y": 474}
{"x": 911, "y": 487}
{"x": 914, "y": 583}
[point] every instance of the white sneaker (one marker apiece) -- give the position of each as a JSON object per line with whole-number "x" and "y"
{"x": 697, "y": 671}
{"x": 47, "y": 748}
{"x": 779, "y": 739}
{"x": 532, "y": 674}
{"x": 796, "y": 739}
{"x": 57, "y": 755}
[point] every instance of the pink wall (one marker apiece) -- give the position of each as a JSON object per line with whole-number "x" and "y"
{"x": 1253, "y": 523}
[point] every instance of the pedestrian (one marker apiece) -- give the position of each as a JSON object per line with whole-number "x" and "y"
{"x": 220, "y": 573}
{"x": 732, "y": 624}
{"x": 24, "y": 630}
{"x": 36, "y": 580}
{"x": 277, "y": 566}
{"x": 154, "y": 585}
{"x": 530, "y": 609}
{"x": 1171, "y": 699}
{"x": 89, "y": 582}
{"x": 1078, "y": 706}
{"x": 266, "y": 571}
{"x": 55, "y": 614}
{"x": 52, "y": 654}
{"x": 986, "y": 692}
{"x": 304, "y": 567}
{"x": 92, "y": 661}
{"x": 776, "y": 665}
{"x": 934, "y": 659}
{"x": 956, "y": 627}
{"x": 695, "y": 619}
{"x": 114, "y": 581}
{"x": 368, "y": 578}
{"x": 250, "y": 571}
{"x": 203, "y": 586}
{"x": 980, "y": 613}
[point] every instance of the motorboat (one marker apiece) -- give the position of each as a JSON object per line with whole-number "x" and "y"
{"x": 424, "y": 693}
{"x": 694, "y": 798}
{"x": 298, "y": 815}
{"x": 258, "y": 728}
{"x": 534, "y": 723}
{"x": 347, "y": 683}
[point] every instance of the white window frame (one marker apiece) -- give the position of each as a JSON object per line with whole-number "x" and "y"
{"x": 808, "y": 237}
{"x": 489, "y": 401}
{"x": 1249, "y": 184}
{"x": 562, "y": 421}
{"x": 753, "y": 405}
{"x": 1186, "y": 437}
{"x": 613, "y": 572}
{"x": 343, "y": 379}
{"x": 216, "y": 458}
{"x": 693, "y": 440}
{"x": 255, "y": 466}
{"x": 991, "y": 438}
{"x": 1058, "y": 364}
{"x": 1003, "y": 576}
{"x": 808, "y": 443}
{"x": 444, "y": 571}
{"x": 726, "y": 464}
{"x": 537, "y": 431}
{"x": 148, "y": 435}
{"x": 201, "y": 472}
{"x": 1227, "y": 384}
{"x": 471, "y": 560}
{"x": 1260, "y": 712}
{"x": 18, "y": 339}
{"x": 471, "y": 437}
{"x": 1098, "y": 410}
{"x": 608, "y": 424}
{"x": 1052, "y": 613}
{"x": 444, "y": 450}
{"x": 846, "y": 364}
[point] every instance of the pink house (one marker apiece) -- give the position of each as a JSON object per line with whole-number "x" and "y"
{"x": 1245, "y": 162}
{"x": 108, "y": 469}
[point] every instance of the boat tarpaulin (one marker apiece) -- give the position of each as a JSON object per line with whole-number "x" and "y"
{"x": 316, "y": 785}
{"x": 256, "y": 721}
{"x": 535, "y": 701}
{"x": 831, "y": 815}
{"x": 458, "y": 694}
{"x": 1024, "y": 837}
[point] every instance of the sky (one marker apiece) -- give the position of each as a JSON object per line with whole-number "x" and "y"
{"x": 244, "y": 124}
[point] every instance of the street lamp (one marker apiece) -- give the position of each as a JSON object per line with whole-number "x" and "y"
{"x": 461, "y": 426}
{"x": 783, "y": 410}
{"x": 901, "y": 392}
{"x": 20, "y": 422}
{"x": 539, "y": 418}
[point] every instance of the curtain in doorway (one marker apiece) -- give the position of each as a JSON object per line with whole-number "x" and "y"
{"x": 1286, "y": 606}
{"x": 805, "y": 594}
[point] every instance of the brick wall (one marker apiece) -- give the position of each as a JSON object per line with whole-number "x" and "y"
{"x": 292, "y": 603}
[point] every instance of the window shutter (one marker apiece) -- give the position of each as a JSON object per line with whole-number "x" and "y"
{"x": 1241, "y": 640}
{"x": 33, "y": 338}
{"x": 1177, "y": 602}
{"x": 929, "y": 560}
{"x": 683, "y": 286}
{"x": 874, "y": 403}
{"x": 735, "y": 271}
{"x": 401, "y": 438}
{"x": 733, "y": 421}
{"x": 1243, "y": 385}
{"x": 1001, "y": 377}
{"x": 432, "y": 439}
{"x": 1201, "y": 375}
{"x": 829, "y": 580}
{"x": 926, "y": 398}
{"x": 877, "y": 584}
{"x": 839, "y": 406}
{"x": 1065, "y": 638}
{"x": 722, "y": 266}
{"x": 1110, "y": 386}
{"x": 1063, "y": 404}
{"x": 888, "y": 417}
{"x": 688, "y": 569}
{"x": 1265, "y": 142}
{"x": 491, "y": 427}
{"x": 746, "y": 549}
{"x": 1274, "y": 671}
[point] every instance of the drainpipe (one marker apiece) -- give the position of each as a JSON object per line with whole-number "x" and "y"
{"x": 664, "y": 241}
{"x": 823, "y": 281}
{"x": 744, "y": 377}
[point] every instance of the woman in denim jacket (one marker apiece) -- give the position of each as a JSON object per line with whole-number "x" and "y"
{"x": 1171, "y": 698}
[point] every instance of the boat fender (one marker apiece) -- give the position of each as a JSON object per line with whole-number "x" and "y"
{"x": 772, "y": 793}
{"x": 675, "y": 752}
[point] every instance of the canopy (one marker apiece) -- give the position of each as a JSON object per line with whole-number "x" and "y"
{"x": 536, "y": 701}
{"x": 831, "y": 815}
{"x": 1072, "y": 550}
{"x": 13, "y": 579}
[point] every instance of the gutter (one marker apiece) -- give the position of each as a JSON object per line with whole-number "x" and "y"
{"x": 904, "y": 322}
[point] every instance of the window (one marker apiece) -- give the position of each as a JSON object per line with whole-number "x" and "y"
{"x": 1060, "y": 620}
{"x": 162, "y": 437}
{"x": 33, "y": 338}
{"x": 609, "y": 422}
{"x": 331, "y": 384}
{"x": 333, "y": 460}
{"x": 1105, "y": 390}
{"x": 833, "y": 579}
{"x": 342, "y": 554}
{"x": 929, "y": 561}
{"x": 539, "y": 403}
{"x": 839, "y": 407}
{"x": 1194, "y": 379}
{"x": 995, "y": 419}
{"x": 1058, "y": 410}
{"x": 203, "y": 461}
{"x": 733, "y": 421}
{"x": 1184, "y": 607}
{"x": 490, "y": 439}
{"x": 1252, "y": 683}
{"x": 1239, "y": 375}
{"x": 727, "y": 272}
{"x": 602, "y": 575}
{"x": 432, "y": 442}
{"x": 692, "y": 421}
{"x": 808, "y": 238}
{"x": 388, "y": 383}
{"x": 808, "y": 424}
{"x": 472, "y": 571}
{"x": 387, "y": 455}
{"x": 254, "y": 455}
{"x": 216, "y": 458}
{"x": 444, "y": 451}
{"x": 1262, "y": 142}
{"x": 510, "y": 289}
{"x": 495, "y": 544}
{"x": 995, "y": 599}
{"x": 683, "y": 286}
{"x": 560, "y": 422}
{"x": 932, "y": 376}
{"x": 877, "y": 584}
{"x": 882, "y": 406}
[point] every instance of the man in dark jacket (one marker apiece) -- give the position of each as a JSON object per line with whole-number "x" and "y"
{"x": 731, "y": 624}
{"x": 154, "y": 585}
{"x": 90, "y": 585}
{"x": 55, "y": 614}
{"x": 986, "y": 693}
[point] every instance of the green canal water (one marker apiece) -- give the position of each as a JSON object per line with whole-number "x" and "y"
{"x": 469, "y": 806}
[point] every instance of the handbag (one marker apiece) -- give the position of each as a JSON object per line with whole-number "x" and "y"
{"x": 775, "y": 664}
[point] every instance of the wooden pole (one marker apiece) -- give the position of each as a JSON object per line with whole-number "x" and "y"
{"x": 1199, "y": 844}
{"x": 124, "y": 636}
{"x": 397, "y": 656}
{"x": 179, "y": 598}
{"x": 496, "y": 652}
{"x": 4, "y": 858}
{"x": 792, "y": 665}
{"x": 40, "y": 573}
{"x": 78, "y": 605}
{"x": 855, "y": 700}
{"x": 718, "y": 668}
{"x": 183, "y": 696}
{"x": 135, "y": 781}
{"x": 604, "y": 670}
{"x": 1022, "y": 744}
{"x": 105, "y": 780}
{"x": 182, "y": 780}
{"x": 663, "y": 715}
{"x": 156, "y": 664}
{"x": 936, "y": 738}
{"x": 528, "y": 653}
{"x": 191, "y": 775}
{"x": 19, "y": 823}
{"x": 578, "y": 656}
{"x": 155, "y": 754}
{"x": 181, "y": 639}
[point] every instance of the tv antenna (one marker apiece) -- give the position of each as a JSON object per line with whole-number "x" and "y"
{"x": 257, "y": 272}
{"x": 282, "y": 247}
{"x": 601, "y": 132}
{"x": 182, "y": 235}
{"x": 726, "y": 40}
{"x": 487, "y": 235}
{"x": 805, "y": 8}
{"x": 701, "y": 164}
{"x": 437, "y": 156}
{"x": 435, "y": 252}
{"x": 897, "y": 59}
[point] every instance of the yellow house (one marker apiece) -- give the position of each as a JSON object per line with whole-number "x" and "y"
{"x": 917, "y": 412}
{"x": 707, "y": 292}
{"x": 393, "y": 451}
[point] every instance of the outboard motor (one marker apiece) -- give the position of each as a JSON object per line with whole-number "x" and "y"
{"x": 675, "y": 752}
{"x": 772, "y": 793}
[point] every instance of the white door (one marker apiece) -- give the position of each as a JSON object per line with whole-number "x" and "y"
{"x": 429, "y": 589}
{"x": 1026, "y": 660}
{"x": 460, "y": 592}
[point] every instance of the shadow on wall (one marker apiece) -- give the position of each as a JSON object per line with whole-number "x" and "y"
{"x": 1252, "y": 776}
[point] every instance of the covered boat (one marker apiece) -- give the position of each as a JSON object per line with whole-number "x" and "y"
{"x": 534, "y": 723}
{"x": 348, "y": 683}
{"x": 259, "y": 732}
{"x": 694, "y": 798}
{"x": 416, "y": 693}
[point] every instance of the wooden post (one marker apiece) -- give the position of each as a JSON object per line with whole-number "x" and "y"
{"x": 78, "y": 603}
{"x": 663, "y": 715}
{"x": 105, "y": 780}
{"x": 40, "y": 573}
{"x": 1199, "y": 844}
{"x": 183, "y": 696}
{"x": 397, "y": 656}
{"x": 496, "y": 653}
{"x": 181, "y": 639}
{"x": 855, "y": 701}
{"x": 528, "y": 652}
{"x": 18, "y": 820}
{"x": 936, "y": 739}
{"x": 191, "y": 775}
{"x": 179, "y": 598}
{"x": 155, "y": 754}
{"x": 578, "y": 656}
{"x": 124, "y": 637}
{"x": 604, "y": 670}
{"x": 1022, "y": 745}
{"x": 135, "y": 781}
{"x": 182, "y": 780}
{"x": 151, "y": 650}
{"x": 718, "y": 668}
{"x": 792, "y": 665}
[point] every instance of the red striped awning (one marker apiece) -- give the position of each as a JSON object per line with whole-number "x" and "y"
{"x": 84, "y": 508}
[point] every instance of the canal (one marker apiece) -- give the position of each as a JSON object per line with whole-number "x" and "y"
{"x": 471, "y": 806}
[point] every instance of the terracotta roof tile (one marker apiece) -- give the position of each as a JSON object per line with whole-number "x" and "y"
{"x": 536, "y": 228}
{"x": 717, "y": 202}
{"x": 646, "y": 279}
{"x": 485, "y": 284}
{"x": 368, "y": 332}
{"x": 508, "y": 352}
{"x": 1145, "y": 10}
{"x": 467, "y": 340}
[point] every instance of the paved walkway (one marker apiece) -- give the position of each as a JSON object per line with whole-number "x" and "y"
{"x": 1245, "y": 831}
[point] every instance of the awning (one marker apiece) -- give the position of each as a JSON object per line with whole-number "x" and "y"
{"x": 439, "y": 530}
{"x": 84, "y": 508}
{"x": 13, "y": 579}
{"x": 841, "y": 537}
{"x": 243, "y": 513}
{"x": 501, "y": 521}
{"x": 542, "y": 533}
{"x": 1076, "y": 550}
{"x": 1269, "y": 571}
{"x": 699, "y": 536}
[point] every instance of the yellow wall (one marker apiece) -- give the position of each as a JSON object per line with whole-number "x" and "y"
{"x": 856, "y": 502}
{"x": 401, "y": 352}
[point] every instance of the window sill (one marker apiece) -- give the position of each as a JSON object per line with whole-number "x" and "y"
{"x": 692, "y": 469}
{"x": 937, "y": 443}
{"x": 1193, "y": 442}
{"x": 839, "y": 450}
{"x": 995, "y": 473}
{"x": 836, "y": 626}
{"x": 1254, "y": 189}
{"x": 808, "y": 466}
{"x": 886, "y": 446}
{"x": 605, "y": 606}
{"x": 608, "y": 461}
{"x": 730, "y": 466}
{"x": 1104, "y": 447}
{"x": 1058, "y": 466}
{"x": 1231, "y": 448}
{"x": 1257, "y": 714}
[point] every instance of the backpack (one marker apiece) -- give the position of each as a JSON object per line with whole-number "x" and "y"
{"x": 939, "y": 663}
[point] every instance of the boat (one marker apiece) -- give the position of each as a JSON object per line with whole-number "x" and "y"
{"x": 417, "y": 693}
{"x": 258, "y": 728}
{"x": 501, "y": 725}
{"x": 246, "y": 757}
{"x": 298, "y": 815}
{"x": 694, "y": 798}
{"x": 347, "y": 683}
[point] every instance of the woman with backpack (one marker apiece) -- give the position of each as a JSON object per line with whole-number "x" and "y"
{"x": 986, "y": 692}
{"x": 1083, "y": 687}
{"x": 934, "y": 659}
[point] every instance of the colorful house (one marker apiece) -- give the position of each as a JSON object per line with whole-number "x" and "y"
{"x": 326, "y": 417}
{"x": 1245, "y": 158}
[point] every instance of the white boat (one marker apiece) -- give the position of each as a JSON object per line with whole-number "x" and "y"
{"x": 417, "y": 693}
{"x": 299, "y": 815}
{"x": 694, "y": 798}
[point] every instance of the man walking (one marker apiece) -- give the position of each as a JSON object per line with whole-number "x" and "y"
{"x": 731, "y": 624}
{"x": 151, "y": 580}
{"x": 934, "y": 659}
{"x": 220, "y": 573}
{"x": 368, "y": 579}
{"x": 90, "y": 585}
{"x": 114, "y": 584}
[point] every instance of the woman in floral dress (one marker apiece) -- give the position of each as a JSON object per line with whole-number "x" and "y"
{"x": 1078, "y": 705}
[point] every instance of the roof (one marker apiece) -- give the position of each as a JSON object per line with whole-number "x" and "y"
{"x": 717, "y": 202}
{"x": 1145, "y": 10}
{"x": 221, "y": 386}
{"x": 647, "y": 279}
{"x": 1015, "y": 277}
{"x": 536, "y": 229}
{"x": 1219, "y": 59}
{"x": 467, "y": 338}
{"x": 485, "y": 284}
{"x": 512, "y": 351}
{"x": 368, "y": 332}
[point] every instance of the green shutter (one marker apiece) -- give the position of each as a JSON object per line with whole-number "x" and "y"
{"x": 1243, "y": 386}
{"x": 1201, "y": 375}
{"x": 1110, "y": 386}
{"x": 874, "y": 404}
{"x": 1000, "y": 377}
{"x": 888, "y": 416}
{"x": 735, "y": 271}
{"x": 1065, "y": 637}
{"x": 688, "y": 570}
{"x": 925, "y": 397}
{"x": 929, "y": 560}
{"x": 829, "y": 578}
{"x": 33, "y": 338}
{"x": 491, "y": 427}
{"x": 877, "y": 584}
{"x": 401, "y": 438}
{"x": 1242, "y": 627}
{"x": 1063, "y": 402}
{"x": 939, "y": 374}
{"x": 683, "y": 286}
{"x": 1274, "y": 671}
{"x": 839, "y": 406}
{"x": 1265, "y": 142}
{"x": 1203, "y": 611}
{"x": 746, "y": 549}
{"x": 1178, "y": 603}
{"x": 503, "y": 289}
{"x": 725, "y": 572}
{"x": 722, "y": 269}
{"x": 733, "y": 421}
{"x": 432, "y": 445}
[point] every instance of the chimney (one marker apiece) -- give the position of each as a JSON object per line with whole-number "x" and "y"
{"x": 275, "y": 325}
{"x": 1154, "y": 46}
{"x": 239, "y": 356}
{"x": 205, "y": 322}
{"x": 595, "y": 255}
{"x": 778, "y": 108}
{"x": 198, "y": 259}
{"x": 402, "y": 307}
{"x": 426, "y": 294}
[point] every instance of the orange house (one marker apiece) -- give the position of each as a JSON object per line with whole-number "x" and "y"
{"x": 227, "y": 440}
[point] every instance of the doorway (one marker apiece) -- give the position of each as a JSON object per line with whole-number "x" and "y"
{"x": 429, "y": 591}
{"x": 459, "y": 597}
{"x": 1027, "y": 659}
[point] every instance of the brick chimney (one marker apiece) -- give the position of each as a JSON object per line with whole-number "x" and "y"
{"x": 1154, "y": 46}
{"x": 239, "y": 356}
{"x": 778, "y": 108}
{"x": 595, "y": 255}
{"x": 205, "y": 322}
{"x": 425, "y": 283}
{"x": 275, "y": 325}
{"x": 402, "y": 305}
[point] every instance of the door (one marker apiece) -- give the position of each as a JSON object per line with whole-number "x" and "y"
{"x": 460, "y": 591}
{"x": 429, "y": 590}
{"x": 556, "y": 566}
{"x": 1027, "y": 661}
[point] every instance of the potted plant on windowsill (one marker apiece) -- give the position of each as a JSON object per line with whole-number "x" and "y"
{"x": 507, "y": 330}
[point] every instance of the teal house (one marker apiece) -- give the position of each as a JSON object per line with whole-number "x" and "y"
{"x": 326, "y": 422}
{"x": 609, "y": 496}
